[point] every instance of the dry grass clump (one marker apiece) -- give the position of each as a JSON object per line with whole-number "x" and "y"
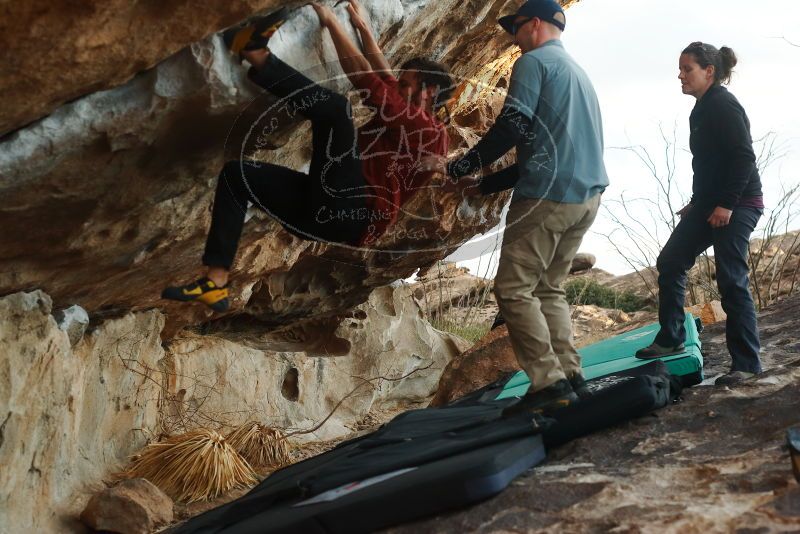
{"x": 260, "y": 445}
{"x": 194, "y": 466}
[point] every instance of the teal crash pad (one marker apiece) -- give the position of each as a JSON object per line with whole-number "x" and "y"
{"x": 617, "y": 354}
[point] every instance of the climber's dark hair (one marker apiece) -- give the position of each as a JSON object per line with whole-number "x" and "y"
{"x": 723, "y": 60}
{"x": 430, "y": 74}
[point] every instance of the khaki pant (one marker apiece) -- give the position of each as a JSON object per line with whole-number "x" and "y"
{"x": 539, "y": 243}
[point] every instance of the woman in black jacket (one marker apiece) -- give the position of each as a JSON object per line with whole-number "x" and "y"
{"x": 726, "y": 204}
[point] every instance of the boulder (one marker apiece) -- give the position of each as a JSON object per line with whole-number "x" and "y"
{"x": 590, "y": 322}
{"x": 107, "y": 173}
{"x": 130, "y": 507}
{"x": 489, "y": 359}
{"x": 598, "y": 275}
{"x": 583, "y": 261}
{"x": 709, "y": 312}
{"x": 100, "y": 45}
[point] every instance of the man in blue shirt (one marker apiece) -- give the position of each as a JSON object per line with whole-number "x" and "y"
{"x": 552, "y": 117}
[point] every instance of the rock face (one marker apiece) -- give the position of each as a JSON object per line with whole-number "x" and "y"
{"x": 94, "y": 46}
{"x": 715, "y": 462}
{"x": 387, "y": 357}
{"x": 71, "y": 416}
{"x": 107, "y": 199}
{"x": 131, "y": 507}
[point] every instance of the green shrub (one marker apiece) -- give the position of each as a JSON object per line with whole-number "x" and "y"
{"x": 586, "y": 291}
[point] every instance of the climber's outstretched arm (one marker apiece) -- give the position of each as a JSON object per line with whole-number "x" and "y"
{"x": 353, "y": 62}
{"x": 358, "y": 17}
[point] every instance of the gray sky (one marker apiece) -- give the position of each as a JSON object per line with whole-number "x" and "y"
{"x": 630, "y": 50}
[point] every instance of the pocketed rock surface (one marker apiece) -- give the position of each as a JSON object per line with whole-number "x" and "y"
{"x": 107, "y": 172}
{"x": 714, "y": 462}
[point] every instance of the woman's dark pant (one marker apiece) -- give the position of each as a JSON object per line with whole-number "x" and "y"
{"x": 731, "y": 243}
{"x": 327, "y": 204}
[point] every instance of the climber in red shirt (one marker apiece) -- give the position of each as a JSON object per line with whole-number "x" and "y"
{"x": 358, "y": 179}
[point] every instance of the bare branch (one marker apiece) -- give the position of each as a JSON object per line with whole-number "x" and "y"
{"x": 366, "y": 382}
{"x": 790, "y": 42}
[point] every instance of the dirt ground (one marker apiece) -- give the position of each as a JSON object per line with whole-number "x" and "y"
{"x": 715, "y": 462}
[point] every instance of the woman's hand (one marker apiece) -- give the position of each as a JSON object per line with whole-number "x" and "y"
{"x": 325, "y": 14}
{"x": 719, "y": 217}
{"x": 683, "y": 211}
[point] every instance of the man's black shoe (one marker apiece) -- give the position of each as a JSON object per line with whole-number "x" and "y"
{"x": 545, "y": 401}
{"x": 578, "y": 384}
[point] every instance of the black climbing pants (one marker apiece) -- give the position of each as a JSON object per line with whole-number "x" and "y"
{"x": 731, "y": 245}
{"x": 325, "y": 204}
